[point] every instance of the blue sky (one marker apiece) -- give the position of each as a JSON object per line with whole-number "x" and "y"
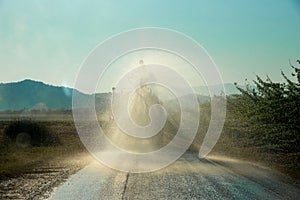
{"x": 47, "y": 40}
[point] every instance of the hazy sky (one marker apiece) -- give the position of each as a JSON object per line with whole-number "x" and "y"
{"x": 47, "y": 40}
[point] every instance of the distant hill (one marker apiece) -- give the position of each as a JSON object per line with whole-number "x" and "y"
{"x": 34, "y": 95}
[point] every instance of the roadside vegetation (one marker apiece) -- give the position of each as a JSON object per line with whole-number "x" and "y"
{"x": 30, "y": 133}
{"x": 262, "y": 124}
{"x": 25, "y": 145}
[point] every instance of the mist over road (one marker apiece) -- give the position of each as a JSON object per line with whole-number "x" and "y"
{"x": 187, "y": 178}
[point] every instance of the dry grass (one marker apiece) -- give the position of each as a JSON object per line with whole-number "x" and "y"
{"x": 15, "y": 160}
{"x": 287, "y": 163}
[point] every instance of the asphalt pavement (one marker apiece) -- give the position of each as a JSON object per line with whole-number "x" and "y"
{"x": 188, "y": 178}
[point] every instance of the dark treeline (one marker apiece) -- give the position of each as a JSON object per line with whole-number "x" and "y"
{"x": 42, "y": 111}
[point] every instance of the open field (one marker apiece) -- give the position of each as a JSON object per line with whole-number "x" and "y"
{"x": 16, "y": 160}
{"x": 62, "y": 116}
{"x": 33, "y": 172}
{"x": 47, "y": 167}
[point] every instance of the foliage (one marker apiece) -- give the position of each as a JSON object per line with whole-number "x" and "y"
{"x": 271, "y": 112}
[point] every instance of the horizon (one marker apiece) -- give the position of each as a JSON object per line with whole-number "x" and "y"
{"x": 40, "y": 81}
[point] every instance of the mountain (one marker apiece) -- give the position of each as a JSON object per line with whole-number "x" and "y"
{"x": 35, "y": 95}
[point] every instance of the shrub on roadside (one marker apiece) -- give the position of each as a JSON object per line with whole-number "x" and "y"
{"x": 271, "y": 113}
{"x": 30, "y": 133}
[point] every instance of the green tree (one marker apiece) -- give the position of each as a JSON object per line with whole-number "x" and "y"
{"x": 272, "y": 112}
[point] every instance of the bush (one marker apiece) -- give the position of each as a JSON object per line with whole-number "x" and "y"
{"x": 30, "y": 133}
{"x": 272, "y": 112}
